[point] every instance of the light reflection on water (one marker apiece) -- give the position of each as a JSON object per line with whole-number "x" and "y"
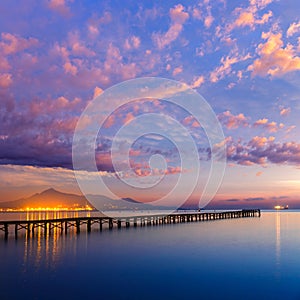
{"x": 278, "y": 242}
{"x": 45, "y": 215}
{"x": 252, "y": 257}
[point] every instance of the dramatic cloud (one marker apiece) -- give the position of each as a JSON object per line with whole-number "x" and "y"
{"x": 275, "y": 58}
{"x": 261, "y": 151}
{"x": 249, "y": 17}
{"x": 70, "y": 52}
{"x": 39, "y": 133}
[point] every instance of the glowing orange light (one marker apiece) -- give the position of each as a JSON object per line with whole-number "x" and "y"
{"x": 32, "y": 209}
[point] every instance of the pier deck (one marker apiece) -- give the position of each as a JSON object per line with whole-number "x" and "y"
{"x": 65, "y": 224}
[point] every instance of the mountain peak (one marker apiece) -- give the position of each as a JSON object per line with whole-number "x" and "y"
{"x": 49, "y": 198}
{"x": 130, "y": 200}
{"x": 50, "y": 191}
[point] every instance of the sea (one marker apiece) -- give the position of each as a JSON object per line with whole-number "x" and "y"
{"x": 247, "y": 258}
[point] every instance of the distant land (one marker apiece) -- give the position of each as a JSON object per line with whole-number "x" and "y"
{"x": 49, "y": 199}
{"x": 52, "y": 199}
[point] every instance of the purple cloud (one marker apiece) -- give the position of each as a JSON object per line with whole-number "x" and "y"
{"x": 262, "y": 150}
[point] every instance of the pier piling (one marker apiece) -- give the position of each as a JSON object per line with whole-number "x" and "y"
{"x": 149, "y": 220}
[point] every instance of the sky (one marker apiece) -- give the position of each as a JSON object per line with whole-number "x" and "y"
{"x": 243, "y": 57}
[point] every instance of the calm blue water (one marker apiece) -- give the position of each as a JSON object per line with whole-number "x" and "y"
{"x": 252, "y": 258}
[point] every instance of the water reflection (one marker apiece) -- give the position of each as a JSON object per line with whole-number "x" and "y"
{"x": 278, "y": 242}
{"x": 44, "y": 251}
{"x": 45, "y": 215}
{"x": 217, "y": 259}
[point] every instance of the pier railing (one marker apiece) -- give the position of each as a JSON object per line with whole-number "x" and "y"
{"x": 65, "y": 224}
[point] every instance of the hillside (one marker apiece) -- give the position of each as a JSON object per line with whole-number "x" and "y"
{"x": 53, "y": 199}
{"x": 50, "y": 198}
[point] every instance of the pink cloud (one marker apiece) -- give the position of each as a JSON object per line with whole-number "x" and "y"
{"x": 177, "y": 71}
{"x": 290, "y": 128}
{"x": 134, "y": 152}
{"x": 110, "y": 121}
{"x": 197, "y": 13}
{"x": 59, "y": 6}
{"x": 249, "y": 16}
{"x": 78, "y": 47}
{"x": 293, "y": 29}
{"x": 191, "y": 121}
{"x": 285, "y": 111}
{"x": 97, "y": 91}
{"x": 145, "y": 170}
{"x": 114, "y": 64}
{"x": 61, "y": 51}
{"x": 262, "y": 150}
{"x": 11, "y": 44}
{"x": 4, "y": 64}
{"x": 178, "y": 18}
{"x": 275, "y": 59}
{"x": 54, "y": 106}
{"x": 95, "y": 23}
{"x": 133, "y": 42}
{"x": 81, "y": 50}
{"x": 69, "y": 68}
{"x": 198, "y": 81}
{"x": 270, "y": 126}
{"x": 178, "y": 15}
{"x": 225, "y": 68}
{"x": 142, "y": 172}
{"x": 233, "y": 121}
{"x": 260, "y": 141}
{"x": 260, "y": 4}
{"x": 129, "y": 117}
{"x": 87, "y": 75}
{"x": 5, "y": 80}
{"x": 173, "y": 170}
{"x": 208, "y": 21}
{"x": 67, "y": 126}
{"x": 261, "y": 122}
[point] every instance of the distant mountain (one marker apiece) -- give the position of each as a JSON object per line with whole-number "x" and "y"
{"x": 105, "y": 203}
{"x": 52, "y": 198}
{"x": 130, "y": 200}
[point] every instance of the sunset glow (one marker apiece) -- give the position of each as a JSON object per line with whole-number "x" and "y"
{"x": 242, "y": 57}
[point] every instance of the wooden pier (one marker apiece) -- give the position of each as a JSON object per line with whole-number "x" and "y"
{"x": 65, "y": 224}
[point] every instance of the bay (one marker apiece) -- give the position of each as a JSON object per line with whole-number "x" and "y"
{"x": 249, "y": 258}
